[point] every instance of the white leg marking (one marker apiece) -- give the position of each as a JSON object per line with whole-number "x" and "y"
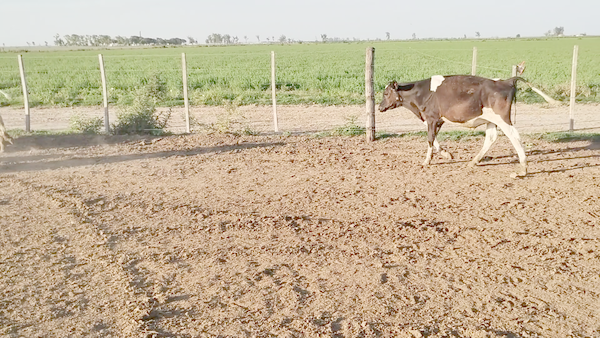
{"x": 436, "y": 81}
{"x": 436, "y": 145}
{"x": 491, "y": 134}
{"x": 512, "y": 134}
{"x": 438, "y": 148}
{"x": 429, "y": 155}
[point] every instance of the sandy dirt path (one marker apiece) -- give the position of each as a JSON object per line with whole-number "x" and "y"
{"x": 529, "y": 118}
{"x": 210, "y": 235}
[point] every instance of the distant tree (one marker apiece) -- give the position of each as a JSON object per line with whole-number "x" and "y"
{"x": 548, "y": 33}
{"x": 558, "y": 31}
{"x": 75, "y": 40}
{"x": 477, "y": 34}
{"x": 324, "y": 37}
{"x": 282, "y": 39}
{"x": 387, "y": 35}
{"x": 191, "y": 40}
{"x": 135, "y": 40}
{"x": 258, "y": 38}
{"x": 518, "y": 35}
{"x": 105, "y": 40}
{"x": 58, "y": 41}
{"x": 414, "y": 36}
{"x": 245, "y": 39}
{"x": 173, "y": 41}
{"x": 152, "y": 41}
{"x": 122, "y": 41}
{"x": 214, "y": 38}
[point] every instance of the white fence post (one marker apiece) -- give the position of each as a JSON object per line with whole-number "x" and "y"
{"x": 25, "y": 94}
{"x": 369, "y": 93}
{"x": 104, "y": 94}
{"x": 474, "y": 62}
{"x": 185, "y": 93}
{"x": 573, "y": 87}
{"x": 273, "y": 91}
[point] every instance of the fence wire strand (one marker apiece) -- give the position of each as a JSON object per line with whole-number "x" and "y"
{"x": 197, "y": 68}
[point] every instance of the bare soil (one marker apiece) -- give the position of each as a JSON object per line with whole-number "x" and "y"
{"x": 221, "y": 236}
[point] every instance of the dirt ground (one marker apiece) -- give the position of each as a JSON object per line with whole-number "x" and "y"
{"x": 311, "y": 118}
{"x": 298, "y": 236}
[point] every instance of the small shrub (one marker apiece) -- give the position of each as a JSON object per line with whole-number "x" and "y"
{"x": 232, "y": 121}
{"x": 141, "y": 117}
{"x": 141, "y": 122}
{"x": 351, "y": 128}
{"x": 81, "y": 124}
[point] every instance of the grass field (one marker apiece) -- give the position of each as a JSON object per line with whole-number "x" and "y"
{"x": 329, "y": 74}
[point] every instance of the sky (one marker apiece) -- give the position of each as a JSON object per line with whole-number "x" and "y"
{"x": 23, "y": 21}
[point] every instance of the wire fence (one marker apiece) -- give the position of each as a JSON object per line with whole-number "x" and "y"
{"x": 328, "y": 82}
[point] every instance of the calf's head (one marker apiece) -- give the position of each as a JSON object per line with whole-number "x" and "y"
{"x": 391, "y": 97}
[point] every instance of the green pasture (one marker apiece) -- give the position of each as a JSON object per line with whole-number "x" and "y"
{"x": 308, "y": 73}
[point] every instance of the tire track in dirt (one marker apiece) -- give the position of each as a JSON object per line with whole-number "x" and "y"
{"x": 95, "y": 286}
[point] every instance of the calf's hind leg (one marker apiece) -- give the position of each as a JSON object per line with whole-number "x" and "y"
{"x": 441, "y": 150}
{"x": 514, "y": 137}
{"x": 491, "y": 135}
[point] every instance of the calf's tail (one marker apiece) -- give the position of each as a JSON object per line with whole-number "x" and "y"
{"x": 546, "y": 97}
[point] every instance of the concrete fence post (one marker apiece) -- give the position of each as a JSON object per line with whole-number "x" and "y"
{"x": 369, "y": 93}
{"x": 186, "y": 100}
{"x": 573, "y": 88}
{"x": 104, "y": 94}
{"x": 25, "y": 93}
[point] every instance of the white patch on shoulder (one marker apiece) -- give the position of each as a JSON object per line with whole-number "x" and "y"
{"x": 436, "y": 81}
{"x": 496, "y": 79}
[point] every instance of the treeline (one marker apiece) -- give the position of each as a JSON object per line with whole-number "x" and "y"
{"x": 106, "y": 40}
{"x": 222, "y": 39}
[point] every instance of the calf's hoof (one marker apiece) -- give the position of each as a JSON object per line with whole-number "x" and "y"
{"x": 446, "y": 155}
{"x": 521, "y": 172}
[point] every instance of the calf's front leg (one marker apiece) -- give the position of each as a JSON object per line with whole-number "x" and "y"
{"x": 432, "y": 129}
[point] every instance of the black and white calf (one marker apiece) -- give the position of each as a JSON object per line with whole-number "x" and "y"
{"x": 467, "y": 100}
